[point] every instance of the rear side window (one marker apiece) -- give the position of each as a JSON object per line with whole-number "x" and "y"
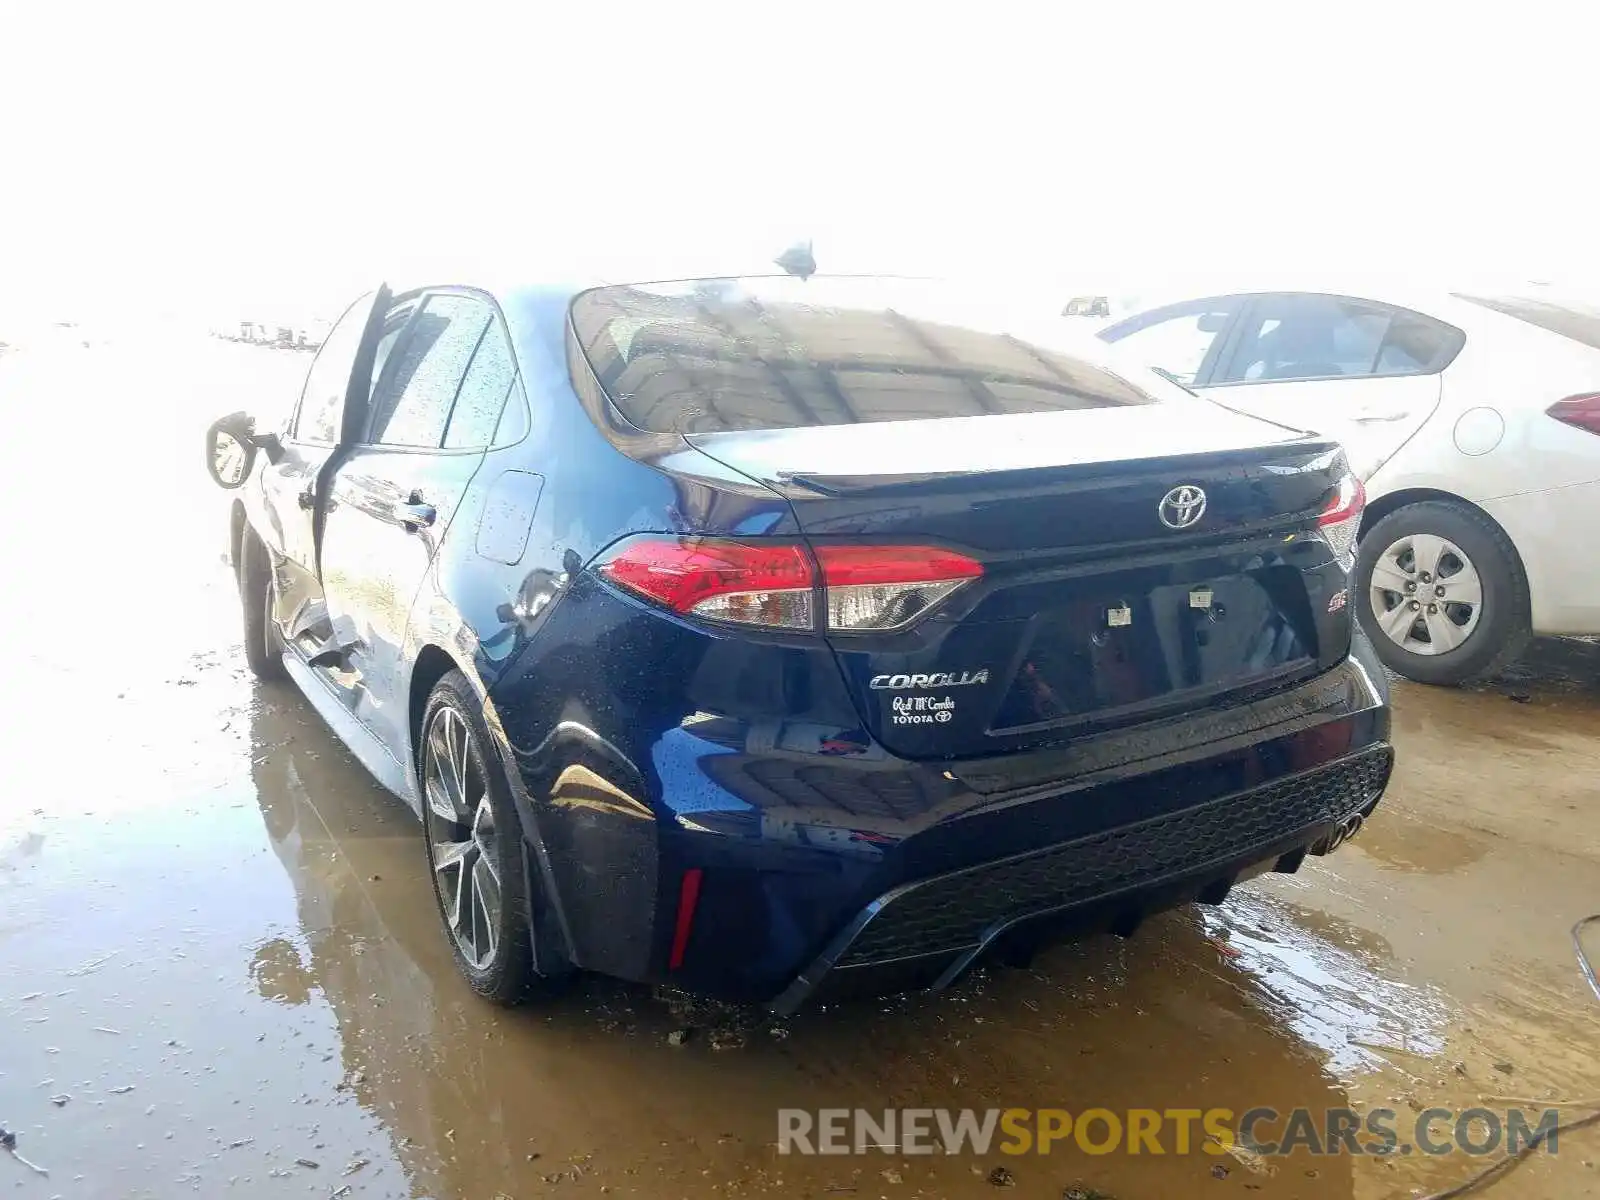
{"x": 514, "y": 422}
{"x": 1569, "y": 320}
{"x": 483, "y": 391}
{"x": 774, "y": 353}
{"x": 412, "y": 402}
{"x": 1415, "y": 345}
{"x": 1306, "y": 336}
{"x": 322, "y": 398}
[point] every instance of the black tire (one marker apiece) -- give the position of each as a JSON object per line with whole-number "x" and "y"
{"x": 1504, "y": 624}
{"x": 508, "y": 976}
{"x": 263, "y": 644}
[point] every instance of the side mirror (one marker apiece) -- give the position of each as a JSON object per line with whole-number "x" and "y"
{"x": 231, "y": 450}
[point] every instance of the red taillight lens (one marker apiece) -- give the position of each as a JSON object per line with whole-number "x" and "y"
{"x": 772, "y": 584}
{"x": 748, "y": 583}
{"x": 886, "y": 587}
{"x": 1340, "y": 521}
{"x": 1581, "y": 412}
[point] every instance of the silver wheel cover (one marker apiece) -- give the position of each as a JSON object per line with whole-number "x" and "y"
{"x": 1426, "y": 595}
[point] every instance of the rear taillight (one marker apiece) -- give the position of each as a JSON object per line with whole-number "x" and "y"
{"x": 1581, "y": 412}
{"x": 747, "y": 583}
{"x": 1340, "y": 521}
{"x": 886, "y": 587}
{"x": 775, "y": 584}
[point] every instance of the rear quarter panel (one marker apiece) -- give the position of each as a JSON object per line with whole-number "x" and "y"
{"x": 575, "y": 483}
{"x": 575, "y": 707}
{"x": 1538, "y": 479}
{"x": 1511, "y": 372}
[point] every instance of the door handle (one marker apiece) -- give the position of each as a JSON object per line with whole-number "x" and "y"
{"x": 416, "y": 514}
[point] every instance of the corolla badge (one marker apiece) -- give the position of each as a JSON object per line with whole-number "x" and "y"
{"x": 900, "y": 683}
{"x": 1183, "y": 506}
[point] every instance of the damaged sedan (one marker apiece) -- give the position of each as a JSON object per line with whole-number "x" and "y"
{"x": 782, "y": 637}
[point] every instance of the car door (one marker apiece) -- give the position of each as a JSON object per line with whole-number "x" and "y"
{"x": 396, "y": 492}
{"x": 1364, "y": 372}
{"x": 294, "y": 486}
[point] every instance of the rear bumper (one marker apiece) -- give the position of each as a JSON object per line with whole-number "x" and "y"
{"x": 929, "y": 932}
{"x": 816, "y": 855}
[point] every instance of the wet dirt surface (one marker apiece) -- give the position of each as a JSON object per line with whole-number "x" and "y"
{"x": 221, "y": 971}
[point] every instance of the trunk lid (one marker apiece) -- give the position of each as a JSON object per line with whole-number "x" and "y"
{"x": 1092, "y": 612}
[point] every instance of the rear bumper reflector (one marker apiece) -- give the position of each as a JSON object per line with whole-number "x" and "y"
{"x": 688, "y": 897}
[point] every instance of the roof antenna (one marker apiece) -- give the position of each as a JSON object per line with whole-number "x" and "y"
{"x": 798, "y": 260}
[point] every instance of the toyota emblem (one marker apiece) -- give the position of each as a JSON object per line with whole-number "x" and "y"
{"x": 1182, "y": 507}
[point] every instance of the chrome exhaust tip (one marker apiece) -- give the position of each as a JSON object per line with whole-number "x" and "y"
{"x": 1341, "y": 834}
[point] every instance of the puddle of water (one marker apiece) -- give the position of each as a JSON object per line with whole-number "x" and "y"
{"x": 1331, "y": 982}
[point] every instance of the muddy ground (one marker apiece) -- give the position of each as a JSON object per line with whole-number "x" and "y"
{"x": 220, "y": 971}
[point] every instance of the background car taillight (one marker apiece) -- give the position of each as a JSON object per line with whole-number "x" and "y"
{"x": 774, "y": 584}
{"x": 1581, "y": 412}
{"x": 1340, "y": 521}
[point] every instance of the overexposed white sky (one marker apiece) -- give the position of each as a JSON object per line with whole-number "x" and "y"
{"x": 218, "y": 156}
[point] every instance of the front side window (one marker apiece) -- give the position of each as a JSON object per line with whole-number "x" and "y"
{"x": 1178, "y": 342}
{"x": 412, "y": 402}
{"x": 322, "y": 398}
{"x": 1306, "y": 336}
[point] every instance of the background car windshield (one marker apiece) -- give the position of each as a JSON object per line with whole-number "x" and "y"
{"x": 728, "y": 354}
{"x": 1569, "y": 320}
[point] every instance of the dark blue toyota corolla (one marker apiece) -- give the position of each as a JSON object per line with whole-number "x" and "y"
{"x": 777, "y": 637}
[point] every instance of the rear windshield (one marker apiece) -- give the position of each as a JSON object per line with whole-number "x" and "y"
{"x": 713, "y": 355}
{"x": 1569, "y": 320}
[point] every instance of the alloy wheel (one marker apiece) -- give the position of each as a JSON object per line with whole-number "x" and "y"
{"x": 462, "y": 838}
{"x": 1426, "y": 595}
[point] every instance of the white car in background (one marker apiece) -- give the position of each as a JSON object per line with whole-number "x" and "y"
{"x": 1474, "y": 422}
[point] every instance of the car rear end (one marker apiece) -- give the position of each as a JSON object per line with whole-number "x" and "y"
{"x": 1029, "y": 644}
{"x": 1530, "y": 419}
